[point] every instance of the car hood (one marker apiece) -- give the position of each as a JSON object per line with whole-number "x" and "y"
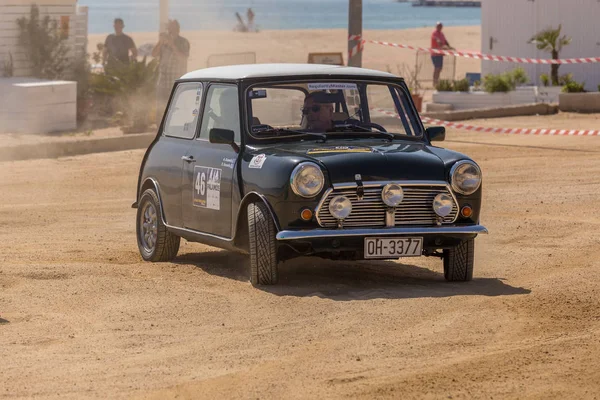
{"x": 399, "y": 160}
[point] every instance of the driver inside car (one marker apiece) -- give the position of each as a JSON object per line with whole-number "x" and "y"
{"x": 318, "y": 111}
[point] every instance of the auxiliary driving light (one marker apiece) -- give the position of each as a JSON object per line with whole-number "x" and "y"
{"x": 306, "y": 214}
{"x": 392, "y": 194}
{"x": 442, "y": 205}
{"x": 340, "y": 207}
{"x": 466, "y": 211}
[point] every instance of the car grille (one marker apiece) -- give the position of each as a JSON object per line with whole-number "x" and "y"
{"x": 416, "y": 207}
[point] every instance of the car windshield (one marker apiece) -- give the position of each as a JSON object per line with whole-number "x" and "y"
{"x": 330, "y": 109}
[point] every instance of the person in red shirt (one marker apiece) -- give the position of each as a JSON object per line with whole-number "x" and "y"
{"x": 438, "y": 41}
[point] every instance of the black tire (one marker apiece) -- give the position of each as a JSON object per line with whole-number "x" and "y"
{"x": 163, "y": 245}
{"x": 458, "y": 262}
{"x": 263, "y": 246}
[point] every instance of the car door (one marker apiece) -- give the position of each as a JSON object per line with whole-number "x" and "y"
{"x": 165, "y": 162}
{"x": 210, "y": 167}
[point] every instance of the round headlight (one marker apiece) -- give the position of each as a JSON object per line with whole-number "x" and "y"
{"x": 307, "y": 180}
{"x": 340, "y": 207}
{"x": 442, "y": 205}
{"x": 392, "y": 194}
{"x": 465, "y": 177}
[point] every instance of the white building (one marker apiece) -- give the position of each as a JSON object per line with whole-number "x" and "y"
{"x": 30, "y": 105}
{"x": 70, "y": 17}
{"x": 507, "y": 26}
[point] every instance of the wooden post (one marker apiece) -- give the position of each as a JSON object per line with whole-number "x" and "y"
{"x": 354, "y": 28}
{"x": 164, "y": 15}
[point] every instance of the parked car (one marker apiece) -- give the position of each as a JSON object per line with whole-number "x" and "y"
{"x": 285, "y": 160}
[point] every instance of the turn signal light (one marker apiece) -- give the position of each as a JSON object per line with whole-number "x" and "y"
{"x": 466, "y": 211}
{"x": 306, "y": 214}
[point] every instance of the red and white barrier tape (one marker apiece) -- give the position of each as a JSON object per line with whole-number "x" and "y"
{"x": 514, "y": 131}
{"x": 356, "y": 49}
{"x": 479, "y": 56}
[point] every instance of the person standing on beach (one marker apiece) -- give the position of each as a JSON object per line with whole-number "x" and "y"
{"x": 250, "y": 15}
{"x": 438, "y": 41}
{"x": 172, "y": 52}
{"x": 117, "y": 47}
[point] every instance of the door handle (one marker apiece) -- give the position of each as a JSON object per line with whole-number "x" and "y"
{"x": 189, "y": 159}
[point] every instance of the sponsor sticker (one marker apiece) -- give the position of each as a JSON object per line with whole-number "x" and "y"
{"x": 207, "y": 187}
{"x": 258, "y": 161}
{"x": 332, "y": 86}
{"x": 340, "y": 149}
{"x": 228, "y": 162}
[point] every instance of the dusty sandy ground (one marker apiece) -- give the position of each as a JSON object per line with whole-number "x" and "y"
{"x": 83, "y": 317}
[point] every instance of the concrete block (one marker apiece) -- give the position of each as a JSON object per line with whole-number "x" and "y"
{"x": 579, "y": 102}
{"x": 549, "y": 94}
{"x": 436, "y": 107}
{"x": 497, "y": 112}
{"x": 474, "y": 100}
{"x": 37, "y": 106}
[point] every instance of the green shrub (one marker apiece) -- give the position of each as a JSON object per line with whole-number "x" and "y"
{"x": 80, "y": 72}
{"x": 496, "y": 84}
{"x": 565, "y": 79}
{"x": 45, "y": 47}
{"x": 573, "y": 87}
{"x": 8, "y": 69}
{"x": 517, "y": 77}
{"x": 506, "y": 81}
{"x": 132, "y": 87}
{"x": 599, "y": 88}
{"x": 545, "y": 79}
{"x": 461, "y": 85}
{"x": 444, "y": 85}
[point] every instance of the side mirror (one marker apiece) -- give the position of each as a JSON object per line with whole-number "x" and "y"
{"x": 436, "y": 133}
{"x": 221, "y": 136}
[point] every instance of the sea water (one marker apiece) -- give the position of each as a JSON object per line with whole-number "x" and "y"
{"x": 142, "y": 15}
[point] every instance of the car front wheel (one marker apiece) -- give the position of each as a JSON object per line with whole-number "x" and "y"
{"x": 263, "y": 246}
{"x": 458, "y": 262}
{"x": 155, "y": 242}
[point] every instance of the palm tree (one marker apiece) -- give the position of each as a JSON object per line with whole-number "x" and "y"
{"x": 549, "y": 40}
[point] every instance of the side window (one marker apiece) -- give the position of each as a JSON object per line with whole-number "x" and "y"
{"x": 183, "y": 113}
{"x": 222, "y": 110}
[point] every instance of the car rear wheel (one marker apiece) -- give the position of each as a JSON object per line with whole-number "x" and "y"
{"x": 263, "y": 246}
{"x": 155, "y": 242}
{"x": 458, "y": 262}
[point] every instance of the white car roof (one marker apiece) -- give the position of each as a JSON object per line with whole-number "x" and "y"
{"x": 234, "y": 72}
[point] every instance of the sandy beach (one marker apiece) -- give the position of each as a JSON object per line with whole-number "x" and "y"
{"x": 295, "y": 45}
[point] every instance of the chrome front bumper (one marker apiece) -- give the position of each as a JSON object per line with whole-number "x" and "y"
{"x": 386, "y": 232}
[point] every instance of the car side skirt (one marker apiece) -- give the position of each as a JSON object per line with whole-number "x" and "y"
{"x": 205, "y": 238}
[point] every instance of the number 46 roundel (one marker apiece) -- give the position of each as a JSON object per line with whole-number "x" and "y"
{"x": 207, "y": 187}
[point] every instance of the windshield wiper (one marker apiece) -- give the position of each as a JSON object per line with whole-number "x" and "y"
{"x": 279, "y": 131}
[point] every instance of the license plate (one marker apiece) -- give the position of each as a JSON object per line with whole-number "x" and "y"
{"x": 393, "y": 248}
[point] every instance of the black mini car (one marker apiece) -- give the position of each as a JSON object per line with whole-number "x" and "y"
{"x": 285, "y": 160}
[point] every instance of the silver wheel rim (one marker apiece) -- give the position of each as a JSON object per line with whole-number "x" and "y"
{"x": 149, "y": 227}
